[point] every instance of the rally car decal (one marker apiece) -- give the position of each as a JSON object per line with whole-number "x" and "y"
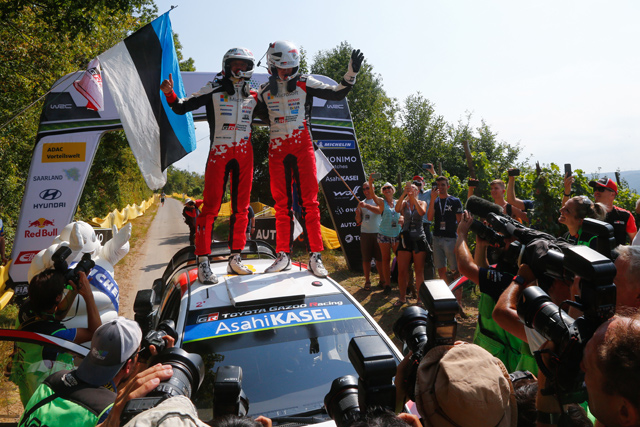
{"x": 214, "y": 325}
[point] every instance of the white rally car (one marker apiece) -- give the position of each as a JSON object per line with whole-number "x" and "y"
{"x": 288, "y": 331}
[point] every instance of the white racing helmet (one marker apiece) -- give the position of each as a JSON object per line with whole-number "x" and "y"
{"x": 238, "y": 53}
{"x": 283, "y": 54}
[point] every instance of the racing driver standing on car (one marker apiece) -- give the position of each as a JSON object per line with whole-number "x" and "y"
{"x": 230, "y": 105}
{"x": 288, "y": 98}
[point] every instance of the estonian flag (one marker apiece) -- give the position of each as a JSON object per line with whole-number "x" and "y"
{"x": 133, "y": 70}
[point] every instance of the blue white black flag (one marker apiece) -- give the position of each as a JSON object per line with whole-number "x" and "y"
{"x": 133, "y": 70}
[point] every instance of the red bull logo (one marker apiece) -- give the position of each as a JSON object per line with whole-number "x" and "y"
{"x": 40, "y": 224}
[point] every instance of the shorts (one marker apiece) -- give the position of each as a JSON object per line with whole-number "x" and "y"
{"x": 443, "y": 252}
{"x": 369, "y": 247}
{"x": 410, "y": 245}
{"x": 386, "y": 239}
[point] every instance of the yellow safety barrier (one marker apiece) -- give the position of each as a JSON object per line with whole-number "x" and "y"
{"x": 120, "y": 218}
{"x": 5, "y": 294}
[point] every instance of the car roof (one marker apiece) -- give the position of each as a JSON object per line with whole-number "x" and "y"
{"x": 258, "y": 289}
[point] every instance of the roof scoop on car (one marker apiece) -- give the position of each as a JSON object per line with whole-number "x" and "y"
{"x": 267, "y": 289}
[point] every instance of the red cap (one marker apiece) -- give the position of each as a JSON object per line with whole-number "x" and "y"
{"x": 418, "y": 178}
{"x": 606, "y": 183}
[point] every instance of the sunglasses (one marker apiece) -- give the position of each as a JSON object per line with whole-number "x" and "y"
{"x": 386, "y": 188}
{"x": 602, "y": 189}
{"x": 365, "y": 188}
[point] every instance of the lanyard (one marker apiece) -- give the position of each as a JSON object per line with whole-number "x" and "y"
{"x": 443, "y": 209}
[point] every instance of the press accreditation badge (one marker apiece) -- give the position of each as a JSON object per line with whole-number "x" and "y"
{"x": 443, "y": 226}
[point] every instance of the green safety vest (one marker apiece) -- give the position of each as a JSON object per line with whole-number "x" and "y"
{"x": 490, "y": 336}
{"x": 33, "y": 363}
{"x": 66, "y": 402}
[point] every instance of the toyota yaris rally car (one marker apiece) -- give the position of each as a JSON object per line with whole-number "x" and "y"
{"x": 289, "y": 331}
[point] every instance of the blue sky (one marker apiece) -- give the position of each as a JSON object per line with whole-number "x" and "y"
{"x": 560, "y": 78}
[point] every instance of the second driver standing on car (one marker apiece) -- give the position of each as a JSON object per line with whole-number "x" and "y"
{"x": 288, "y": 98}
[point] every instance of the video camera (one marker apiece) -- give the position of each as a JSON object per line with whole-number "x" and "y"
{"x": 420, "y": 330}
{"x": 349, "y": 397}
{"x": 597, "y": 302}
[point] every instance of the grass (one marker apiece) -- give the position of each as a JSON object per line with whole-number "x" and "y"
{"x": 10, "y": 405}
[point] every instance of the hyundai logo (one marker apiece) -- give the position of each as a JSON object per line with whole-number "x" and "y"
{"x": 50, "y": 194}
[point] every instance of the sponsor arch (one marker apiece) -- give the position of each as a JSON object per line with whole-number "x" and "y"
{"x": 69, "y": 135}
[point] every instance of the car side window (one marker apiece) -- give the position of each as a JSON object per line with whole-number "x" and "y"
{"x": 171, "y": 306}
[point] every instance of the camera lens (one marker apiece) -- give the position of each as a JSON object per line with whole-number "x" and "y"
{"x": 411, "y": 328}
{"x": 341, "y": 402}
{"x": 537, "y": 311}
{"x": 188, "y": 373}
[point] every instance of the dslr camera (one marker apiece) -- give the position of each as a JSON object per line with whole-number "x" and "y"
{"x": 350, "y": 397}
{"x": 188, "y": 373}
{"x": 597, "y": 302}
{"x": 420, "y": 330}
{"x": 59, "y": 259}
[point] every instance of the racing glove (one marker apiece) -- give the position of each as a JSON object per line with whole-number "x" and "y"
{"x": 354, "y": 66}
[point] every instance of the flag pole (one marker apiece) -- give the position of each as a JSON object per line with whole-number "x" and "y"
{"x": 347, "y": 185}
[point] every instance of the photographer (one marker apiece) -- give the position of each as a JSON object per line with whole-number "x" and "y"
{"x": 611, "y": 365}
{"x": 573, "y": 213}
{"x": 84, "y": 396}
{"x": 42, "y": 312}
{"x": 492, "y": 282}
{"x": 460, "y": 385}
{"x": 506, "y": 313}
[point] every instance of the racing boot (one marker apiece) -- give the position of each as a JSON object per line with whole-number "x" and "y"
{"x": 205, "y": 275}
{"x": 316, "y": 266}
{"x": 236, "y": 266}
{"x": 281, "y": 263}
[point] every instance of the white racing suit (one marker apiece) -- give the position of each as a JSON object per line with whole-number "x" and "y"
{"x": 291, "y": 153}
{"x": 230, "y": 108}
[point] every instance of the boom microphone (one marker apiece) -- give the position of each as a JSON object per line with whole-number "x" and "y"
{"x": 482, "y": 208}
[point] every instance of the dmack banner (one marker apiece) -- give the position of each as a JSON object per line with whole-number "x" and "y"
{"x": 68, "y": 139}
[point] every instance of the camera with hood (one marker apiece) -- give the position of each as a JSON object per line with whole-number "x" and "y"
{"x": 188, "y": 373}
{"x": 541, "y": 251}
{"x": 422, "y": 329}
{"x": 350, "y": 397}
{"x": 597, "y": 302}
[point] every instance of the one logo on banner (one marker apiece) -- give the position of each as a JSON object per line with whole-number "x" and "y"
{"x": 346, "y": 194}
{"x": 50, "y": 194}
{"x": 25, "y": 257}
{"x": 342, "y": 144}
{"x": 55, "y": 152}
{"x": 72, "y": 174}
{"x": 41, "y": 225}
{"x": 38, "y": 178}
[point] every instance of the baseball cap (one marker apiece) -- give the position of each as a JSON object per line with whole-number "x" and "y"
{"x": 187, "y": 201}
{"x": 418, "y": 178}
{"x": 606, "y": 183}
{"x": 112, "y": 345}
{"x": 464, "y": 385}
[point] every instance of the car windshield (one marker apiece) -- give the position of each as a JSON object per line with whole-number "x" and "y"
{"x": 289, "y": 354}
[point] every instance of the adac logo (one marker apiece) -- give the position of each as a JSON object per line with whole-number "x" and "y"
{"x": 41, "y": 223}
{"x": 50, "y": 194}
